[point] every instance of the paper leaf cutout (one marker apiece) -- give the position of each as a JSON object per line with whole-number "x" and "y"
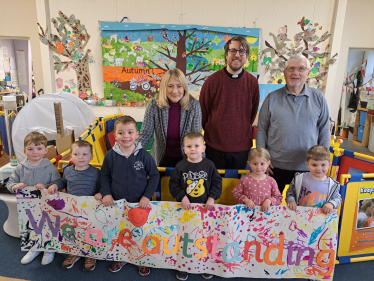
{"x": 72, "y": 19}
{"x": 61, "y": 27}
{"x": 56, "y": 58}
{"x": 43, "y": 40}
{"x": 60, "y": 20}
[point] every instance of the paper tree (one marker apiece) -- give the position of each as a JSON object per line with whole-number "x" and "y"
{"x": 195, "y": 47}
{"x": 70, "y": 44}
{"x": 306, "y": 43}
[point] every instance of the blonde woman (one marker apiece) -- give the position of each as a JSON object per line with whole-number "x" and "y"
{"x": 171, "y": 115}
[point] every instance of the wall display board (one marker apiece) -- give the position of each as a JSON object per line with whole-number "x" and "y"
{"x": 357, "y": 227}
{"x": 228, "y": 241}
{"x": 266, "y": 89}
{"x": 306, "y": 43}
{"x": 136, "y": 55}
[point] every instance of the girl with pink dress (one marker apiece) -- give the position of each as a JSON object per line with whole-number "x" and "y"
{"x": 258, "y": 188}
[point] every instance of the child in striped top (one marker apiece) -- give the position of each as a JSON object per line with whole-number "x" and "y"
{"x": 80, "y": 179}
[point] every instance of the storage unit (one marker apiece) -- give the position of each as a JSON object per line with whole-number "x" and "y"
{"x": 362, "y": 118}
{"x": 361, "y": 133}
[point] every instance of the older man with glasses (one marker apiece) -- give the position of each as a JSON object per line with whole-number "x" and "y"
{"x": 229, "y": 101}
{"x": 292, "y": 120}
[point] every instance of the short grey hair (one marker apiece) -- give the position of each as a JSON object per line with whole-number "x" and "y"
{"x": 298, "y": 57}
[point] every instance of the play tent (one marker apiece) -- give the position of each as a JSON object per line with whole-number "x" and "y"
{"x": 39, "y": 115}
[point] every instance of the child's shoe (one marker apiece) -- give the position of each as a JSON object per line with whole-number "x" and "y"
{"x": 116, "y": 266}
{"x": 30, "y": 256}
{"x": 181, "y": 275}
{"x": 89, "y": 264}
{"x": 144, "y": 271}
{"x": 48, "y": 258}
{"x": 69, "y": 261}
{"x": 207, "y": 275}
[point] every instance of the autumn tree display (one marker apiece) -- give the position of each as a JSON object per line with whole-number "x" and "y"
{"x": 306, "y": 43}
{"x": 70, "y": 44}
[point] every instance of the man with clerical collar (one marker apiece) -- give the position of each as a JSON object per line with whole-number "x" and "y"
{"x": 229, "y": 101}
{"x": 292, "y": 119}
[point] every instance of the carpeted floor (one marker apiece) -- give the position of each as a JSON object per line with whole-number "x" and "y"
{"x": 10, "y": 266}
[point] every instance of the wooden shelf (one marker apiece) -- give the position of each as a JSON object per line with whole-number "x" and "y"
{"x": 368, "y": 121}
{"x": 4, "y": 93}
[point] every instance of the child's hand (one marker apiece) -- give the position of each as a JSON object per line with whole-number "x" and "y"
{"x": 19, "y": 186}
{"x": 186, "y": 203}
{"x": 291, "y": 205}
{"x": 144, "y": 202}
{"x": 52, "y": 189}
{"x": 265, "y": 205}
{"x": 108, "y": 200}
{"x": 98, "y": 196}
{"x": 39, "y": 186}
{"x": 249, "y": 203}
{"x": 209, "y": 203}
{"x": 327, "y": 208}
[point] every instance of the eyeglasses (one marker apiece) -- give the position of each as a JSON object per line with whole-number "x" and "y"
{"x": 299, "y": 69}
{"x": 242, "y": 52}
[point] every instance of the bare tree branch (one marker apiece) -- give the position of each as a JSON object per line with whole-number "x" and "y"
{"x": 201, "y": 69}
{"x": 165, "y": 35}
{"x": 159, "y": 67}
{"x": 270, "y": 46}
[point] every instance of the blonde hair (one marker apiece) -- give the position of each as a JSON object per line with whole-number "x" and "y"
{"x": 258, "y": 152}
{"x": 162, "y": 99}
{"x": 193, "y": 135}
{"x": 125, "y": 120}
{"x": 36, "y": 138}
{"x": 242, "y": 43}
{"x": 365, "y": 206}
{"x": 318, "y": 153}
{"x": 81, "y": 143}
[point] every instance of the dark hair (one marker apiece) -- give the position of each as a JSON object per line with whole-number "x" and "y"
{"x": 81, "y": 143}
{"x": 125, "y": 120}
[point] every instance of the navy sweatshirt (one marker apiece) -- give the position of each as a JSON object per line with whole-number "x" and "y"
{"x": 126, "y": 177}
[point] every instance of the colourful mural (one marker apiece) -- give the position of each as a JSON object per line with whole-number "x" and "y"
{"x": 135, "y": 56}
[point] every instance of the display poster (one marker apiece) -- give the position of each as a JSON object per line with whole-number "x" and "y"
{"x": 14, "y": 77}
{"x": 21, "y": 67}
{"x": 135, "y": 56}
{"x": 227, "y": 241}
{"x": 266, "y": 89}
{"x": 363, "y": 227}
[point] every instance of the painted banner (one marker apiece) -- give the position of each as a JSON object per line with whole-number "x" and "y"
{"x": 136, "y": 55}
{"x": 228, "y": 241}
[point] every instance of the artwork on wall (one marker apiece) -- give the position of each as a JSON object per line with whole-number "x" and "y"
{"x": 227, "y": 241}
{"x": 70, "y": 43}
{"x": 136, "y": 55}
{"x": 307, "y": 43}
{"x": 266, "y": 89}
